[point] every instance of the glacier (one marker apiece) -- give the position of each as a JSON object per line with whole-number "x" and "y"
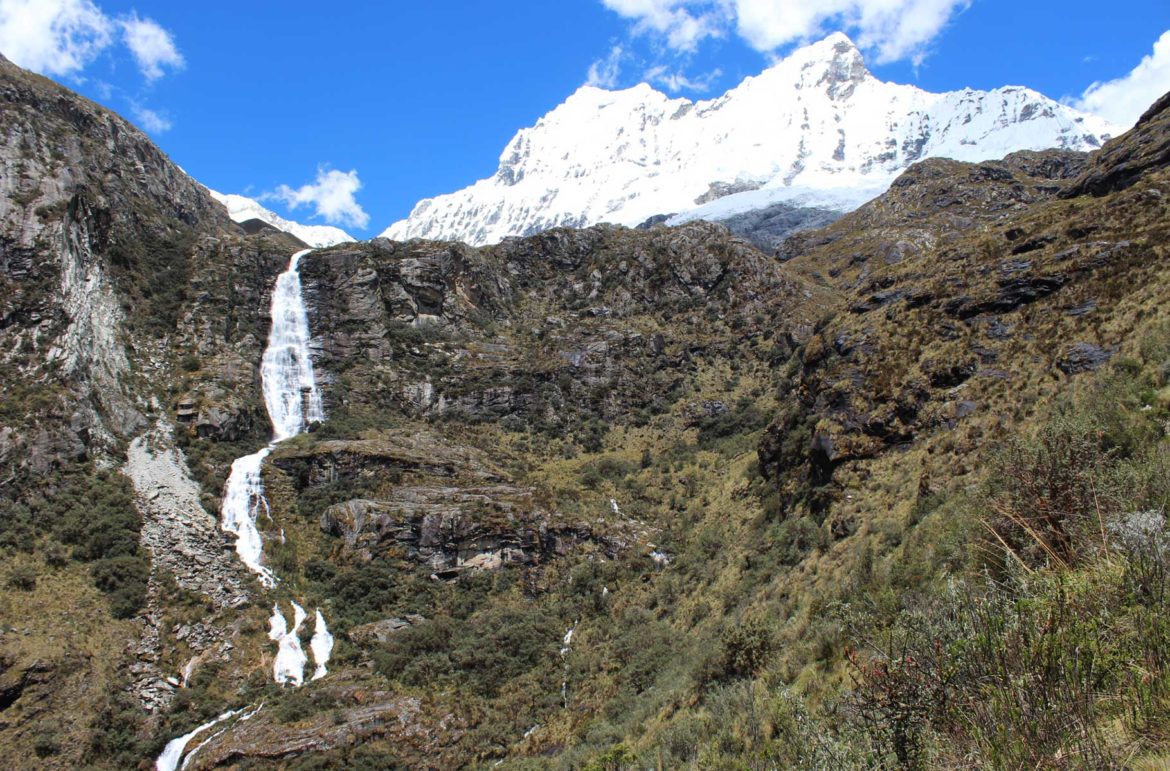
{"x": 816, "y": 129}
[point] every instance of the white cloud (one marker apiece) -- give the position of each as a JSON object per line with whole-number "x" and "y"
{"x": 152, "y": 46}
{"x": 63, "y": 37}
{"x": 152, "y": 121}
{"x": 1123, "y": 100}
{"x": 891, "y": 29}
{"x": 604, "y": 73}
{"x": 675, "y": 81}
{"x": 332, "y": 195}
{"x": 56, "y": 37}
{"x": 674, "y": 20}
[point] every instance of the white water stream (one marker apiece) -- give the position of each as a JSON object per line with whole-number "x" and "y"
{"x": 321, "y": 645}
{"x": 173, "y": 753}
{"x": 294, "y": 403}
{"x": 289, "y": 665}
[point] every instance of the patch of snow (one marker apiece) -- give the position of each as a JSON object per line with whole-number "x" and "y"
{"x": 241, "y": 209}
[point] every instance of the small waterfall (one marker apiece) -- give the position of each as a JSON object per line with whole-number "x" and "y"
{"x": 217, "y": 734}
{"x": 321, "y": 645}
{"x": 289, "y": 665}
{"x": 566, "y": 649}
{"x": 173, "y": 752}
{"x": 242, "y": 499}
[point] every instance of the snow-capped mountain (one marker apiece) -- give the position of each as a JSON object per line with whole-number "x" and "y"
{"x": 815, "y": 129}
{"x": 242, "y": 209}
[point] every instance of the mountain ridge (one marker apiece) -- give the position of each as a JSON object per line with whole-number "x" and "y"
{"x": 799, "y": 132}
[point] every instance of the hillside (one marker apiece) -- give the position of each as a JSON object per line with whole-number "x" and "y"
{"x": 600, "y": 498}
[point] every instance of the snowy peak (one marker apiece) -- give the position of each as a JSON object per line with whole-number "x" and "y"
{"x": 243, "y": 209}
{"x": 833, "y": 63}
{"x": 814, "y": 129}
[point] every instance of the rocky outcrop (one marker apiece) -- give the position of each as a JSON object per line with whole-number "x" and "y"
{"x": 1124, "y": 160}
{"x": 452, "y": 530}
{"x": 360, "y": 715}
{"x": 997, "y": 275}
{"x": 379, "y": 632}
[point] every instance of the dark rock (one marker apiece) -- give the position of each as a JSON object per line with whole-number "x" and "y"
{"x": 767, "y": 229}
{"x": 1126, "y": 159}
{"x": 1083, "y": 357}
{"x": 948, "y": 375}
{"x": 1083, "y": 309}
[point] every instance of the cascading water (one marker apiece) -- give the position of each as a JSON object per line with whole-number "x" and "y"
{"x": 293, "y": 402}
{"x": 321, "y": 645}
{"x": 173, "y": 752}
{"x": 289, "y": 665}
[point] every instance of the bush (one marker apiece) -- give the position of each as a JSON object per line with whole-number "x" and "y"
{"x": 124, "y": 579}
{"x": 745, "y": 648}
{"x": 1052, "y": 494}
{"x": 23, "y": 578}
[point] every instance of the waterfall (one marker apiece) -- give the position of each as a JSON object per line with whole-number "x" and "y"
{"x": 242, "y": 499}
{"x": 321, "y": 645}
{"x": 289, "y": 665}
{"x": 173, "y": 752}
{"x": 293, "y": 402}
{"x": 566, "y": 649}
{"x": 286, "y": 370}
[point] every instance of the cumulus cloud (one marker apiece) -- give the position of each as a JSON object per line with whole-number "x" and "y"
{"x": 891, "y": 29}
{"x": 154, "y": 122}
{"x": 331, "y": 196}
{"x": 1122, "y": 101}
{"x": 56, "y": 37}
{"x": 152, "y": 46}
{"x": 604, "y": 73}
{"x": 62, "y": 37}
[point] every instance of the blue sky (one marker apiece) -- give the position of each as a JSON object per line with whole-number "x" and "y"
{"x": 419, "y": 99}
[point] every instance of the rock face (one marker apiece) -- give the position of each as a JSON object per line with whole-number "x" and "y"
{"x": 467, "y": 518}
{"x": 1123, "y": 162}
{"x": 768, "y": 228}
{"x": 557, "y": 330}
{"x": 815, "y": 130}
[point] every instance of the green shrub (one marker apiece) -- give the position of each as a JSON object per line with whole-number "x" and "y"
{"x": 124, "y": 579}
{"x": 23, "y": 578}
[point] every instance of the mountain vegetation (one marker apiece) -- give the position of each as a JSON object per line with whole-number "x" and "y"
{"x": 891, "y": 497}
